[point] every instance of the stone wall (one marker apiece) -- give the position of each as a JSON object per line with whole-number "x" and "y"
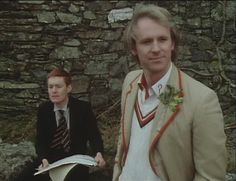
{"x": 85, "y": 37}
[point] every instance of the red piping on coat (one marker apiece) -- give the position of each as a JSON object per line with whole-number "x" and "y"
{"x": 122, "y": 121}
{"x": 170, "y": 120}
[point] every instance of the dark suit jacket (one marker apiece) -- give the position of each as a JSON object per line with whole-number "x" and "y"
{"x": 83, "y": 130}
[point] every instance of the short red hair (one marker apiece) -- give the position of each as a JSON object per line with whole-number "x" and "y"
{"x": 60, "y": 72}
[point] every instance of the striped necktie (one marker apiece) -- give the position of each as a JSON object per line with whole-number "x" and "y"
{"x": 61, "y": 138}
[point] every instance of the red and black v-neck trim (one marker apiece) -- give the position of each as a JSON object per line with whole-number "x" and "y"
{"x": 143, "y": 120}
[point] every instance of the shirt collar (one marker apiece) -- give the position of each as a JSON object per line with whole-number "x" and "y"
{"x": 159, "y": 86}
{"x": 64, "y": 108}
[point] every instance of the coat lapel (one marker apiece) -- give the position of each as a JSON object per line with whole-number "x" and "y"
{"x": 128, "y": 108}
{"x": 164, "y": 116}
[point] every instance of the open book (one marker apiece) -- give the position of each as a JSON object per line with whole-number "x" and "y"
{"x": 61, "y": 167}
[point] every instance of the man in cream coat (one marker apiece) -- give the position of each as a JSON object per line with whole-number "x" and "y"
{"x": 172, "y": 126}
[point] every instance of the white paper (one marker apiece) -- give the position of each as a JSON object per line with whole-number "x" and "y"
{"x": 74, "y": 159}
{"x": 59, "y": 173}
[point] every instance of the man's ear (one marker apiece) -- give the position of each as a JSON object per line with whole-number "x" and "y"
{"x": 69, "y": 88}
{"x": 134, "y": 51}
{"x": 173, "y": 46}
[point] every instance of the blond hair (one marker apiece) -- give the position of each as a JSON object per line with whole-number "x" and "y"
{"x": 156, "y": 13}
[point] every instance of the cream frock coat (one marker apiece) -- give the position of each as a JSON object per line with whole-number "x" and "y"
{"x": 187, "y": 144}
